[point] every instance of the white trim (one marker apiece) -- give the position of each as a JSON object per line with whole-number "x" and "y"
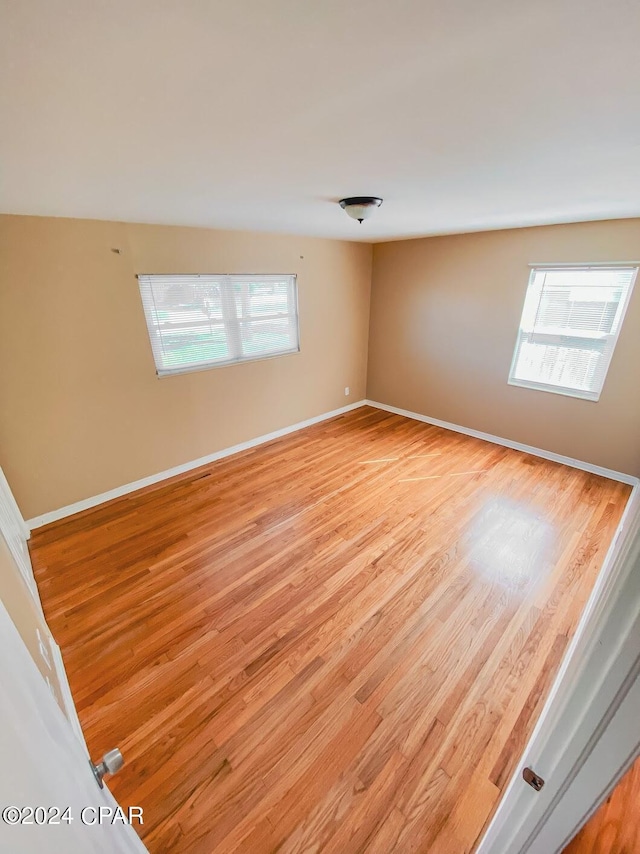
{"x": 15, "y": 532}
{"x": 508, "y": 443}
{"x": 594, "y": 265}
{"x": 12, "y": 505}
{"x": 94, "y": 500}
{"x": 67, "y": 697}
{"x": 227, "y": 363}
{"x": 533, "y": 298}
{"x": 593, "y": 396}
{"x": 229, "y": 321}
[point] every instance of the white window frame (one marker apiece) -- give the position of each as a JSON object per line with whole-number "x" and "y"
{"x": 569, "y": 391}
{"x": 230, "y": 319}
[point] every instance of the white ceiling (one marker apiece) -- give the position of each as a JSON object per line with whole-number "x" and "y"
{"x": 261, "y": 114}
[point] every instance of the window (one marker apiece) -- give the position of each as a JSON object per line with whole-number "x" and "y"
{"x": 569, "y": 328}
{"x": 197, "y": 322}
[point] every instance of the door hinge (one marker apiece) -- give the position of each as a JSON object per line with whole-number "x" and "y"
{"x": 532, "y": 779}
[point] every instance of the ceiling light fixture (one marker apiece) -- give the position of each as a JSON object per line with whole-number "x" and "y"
{"x": 360, "y": 207}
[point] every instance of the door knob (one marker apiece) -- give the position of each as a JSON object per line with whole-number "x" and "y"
{"x": 111, "y": 763}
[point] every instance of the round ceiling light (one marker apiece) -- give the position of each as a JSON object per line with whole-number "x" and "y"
{"x": 360, "y": 207}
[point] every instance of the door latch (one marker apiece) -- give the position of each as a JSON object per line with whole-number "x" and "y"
{"x": 532, "y": 779}
{"x": 111, "y": 763}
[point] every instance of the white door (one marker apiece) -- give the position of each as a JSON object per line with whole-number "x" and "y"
{"x": 50, "y": 801}
{"x": 16, "y": 534}
{"x": 613, "y": 754}
{"x": 588, "y": 732}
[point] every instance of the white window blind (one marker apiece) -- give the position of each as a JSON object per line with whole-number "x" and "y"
{"x": 196, "y": 322}
{"x": 569, "y": 328}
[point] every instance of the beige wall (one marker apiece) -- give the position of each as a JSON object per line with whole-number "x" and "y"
{"x": 83, "y": 411}
{"x": 26, "y": 616}
{"x": 444, "y": 317}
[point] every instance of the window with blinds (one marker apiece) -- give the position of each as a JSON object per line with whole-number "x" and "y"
{"x": 204, "y": 321}
{"x": 569, "y": 328}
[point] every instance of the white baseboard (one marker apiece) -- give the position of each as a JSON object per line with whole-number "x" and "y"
{"x": 94, "y": 500}
{"x": 508, "y": 443}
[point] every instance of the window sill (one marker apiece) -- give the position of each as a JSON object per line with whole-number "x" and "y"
{"x": 592, "y": 397}
{"x": 162, "y": 374}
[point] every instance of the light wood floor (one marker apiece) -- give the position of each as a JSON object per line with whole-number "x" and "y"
{"x": 615, "y": 827}
{"x": 335, "y": 642}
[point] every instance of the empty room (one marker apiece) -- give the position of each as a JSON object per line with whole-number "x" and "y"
{"x": 320, "y": 427}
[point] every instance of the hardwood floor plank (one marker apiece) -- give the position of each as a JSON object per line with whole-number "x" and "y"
{"x": 338, "y": 641}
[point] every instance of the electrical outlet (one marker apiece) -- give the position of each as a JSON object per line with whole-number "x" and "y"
{"x": 347, "y": 391}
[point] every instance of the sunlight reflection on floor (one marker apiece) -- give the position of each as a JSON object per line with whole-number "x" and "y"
{"x": 509, "y": 543}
